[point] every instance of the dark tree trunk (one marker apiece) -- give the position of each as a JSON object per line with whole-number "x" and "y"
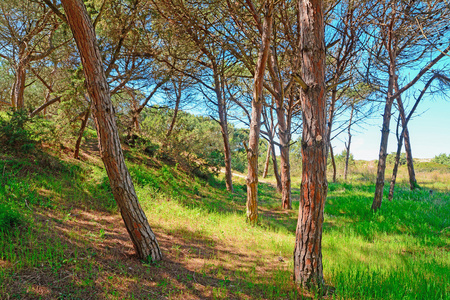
{"x": 308, "y": 269}
{"x": 255, "y": 122}
{"x": 266, "y": 164}
{"x": 409, "y": 157}
{"x": 379, "y": 186}
{"x": 275, "y": 168}
{"x": 395, "y": 170}
{"x": 175, "y": 114}
{"x": 333, "y": 161}
{"x": 80, "y": 134}
{"x": 347, "y": 146}
{"x": 142, "y": 236}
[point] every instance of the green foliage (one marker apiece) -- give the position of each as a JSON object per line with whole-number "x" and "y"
{"x": 390, "y": 159}
{"x": 442, "y": 159}
{"x": 20, "y": 133}
{"x": 9, "y": 217}
{"x": 15, "y": 133}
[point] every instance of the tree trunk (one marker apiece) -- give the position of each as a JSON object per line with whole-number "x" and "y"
{"x": 19, "y": 83}
{"x": 255, "y": 122}
{"x": 395, "y": 170}
{"x": 142, "y": 236}
{"x": 308, "y": 269}
{"x": 80, "y": 134}
{"x": 347, "y": 146}
{"x": 223, "y": 122}
{"x": 175, "y": 114}
{"x": 266, "y": 164}
{"x": 409, "y": 157}
{"x": 379, "y": 186}
{"x": 275, "y": 168}
{"x": 333, "y": 161}
{"x": 283, "y": 134}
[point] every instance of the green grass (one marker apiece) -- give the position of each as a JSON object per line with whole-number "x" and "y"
{"x": 60, "y": 237}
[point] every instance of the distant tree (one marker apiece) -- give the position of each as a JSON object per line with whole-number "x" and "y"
{"x": 134, "y": 217}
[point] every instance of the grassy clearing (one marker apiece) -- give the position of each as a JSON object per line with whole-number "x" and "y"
{"x": 61, "y": 236}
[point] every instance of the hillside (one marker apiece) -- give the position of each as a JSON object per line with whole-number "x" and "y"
{"x": 63, "y": 238}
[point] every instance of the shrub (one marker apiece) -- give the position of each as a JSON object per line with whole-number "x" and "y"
{"x": 390, "y": 159}
{"x": 9, "y": 218}
{"x": 442, "y": 159}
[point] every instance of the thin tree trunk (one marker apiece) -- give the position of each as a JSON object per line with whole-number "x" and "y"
{"x": 80, "y": 133}
{"x": 283, "y": 135}
{"x": 276, "y": 173}
{"x": 347, "y": 146}
{"x": 395, "y": 170}
{"x": 266, "y": 164}
{"x": 308, "y": 269}
{"x": 138, "y": 228}
{"x": 333, "y": 161}
{"x": 379, "y": 186}
{"x": 255, "y": 122}
{"x": 409, "y": 157}
{"x": 175, "y": 114}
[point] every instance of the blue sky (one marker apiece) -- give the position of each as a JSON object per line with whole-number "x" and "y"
{"x": 429, "y": 131}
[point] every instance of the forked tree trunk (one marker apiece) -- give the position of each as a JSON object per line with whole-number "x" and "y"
{"x": 255, "y": 122}
{"x": 266, "y": 164}
{"x": 347, "y": 146}
{"x": 409, "y": 157}
{"x": 142, "y": 236}
{"x": 308, "y": 269}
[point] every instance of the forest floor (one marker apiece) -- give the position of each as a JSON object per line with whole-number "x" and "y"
{"x": 62, "y": 237}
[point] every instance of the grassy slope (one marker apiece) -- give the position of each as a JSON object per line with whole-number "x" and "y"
{"x": 71, "y": 244}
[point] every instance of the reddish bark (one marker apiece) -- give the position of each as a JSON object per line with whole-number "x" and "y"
{"x": 142, "y": 236}
{"x": 308, "y": 270}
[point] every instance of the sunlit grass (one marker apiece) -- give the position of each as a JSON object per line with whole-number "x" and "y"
{"x": 399, "y": 252}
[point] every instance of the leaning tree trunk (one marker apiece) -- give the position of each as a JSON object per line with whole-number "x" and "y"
{"x": 142, "y": 236}
{"x": 395, "y": 170}
{"x": 255, "y": 122}
{"x": 409, "y": 158}
{"x": 76, "y": 153}
{"x": 347, "y": 146}
{"x": 308, "y": 269}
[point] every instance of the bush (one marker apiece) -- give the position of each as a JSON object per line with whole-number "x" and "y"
{"x": 442, "y": 159}
{"x": 390, "y": 159}
{"x": 9, "y": 218}
{"x": 15, "y": 134}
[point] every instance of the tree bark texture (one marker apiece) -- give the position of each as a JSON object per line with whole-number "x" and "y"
{"x": 136, "y": 222}
{"x": 308, "y": 269}
{"x": 19, "y": 84}
{"x": 255, "y": 122}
